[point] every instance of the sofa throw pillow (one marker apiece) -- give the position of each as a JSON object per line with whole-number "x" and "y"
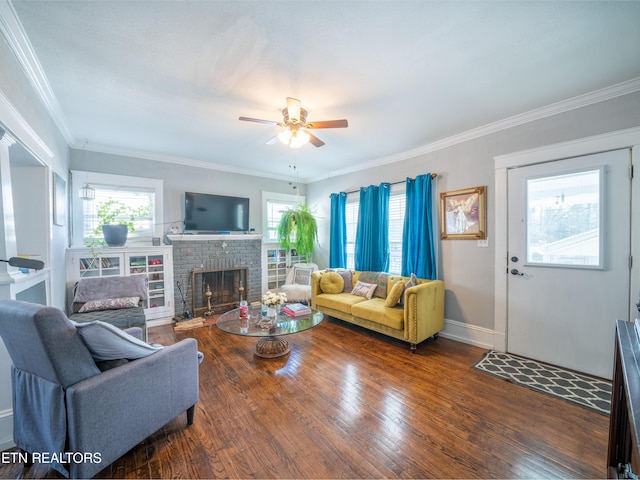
{"x": 346, "y": 276}
{"x": 110, "y": 304}
{"x": 412, "y": 282}
{"x": 394, "y": 295}
{"x": 363, "y": 289}
{"x": 331, "y": 282}
{"x": 381, "y": 279}
{"x": 107, "y": 342}
{"x": 302, "y": 276}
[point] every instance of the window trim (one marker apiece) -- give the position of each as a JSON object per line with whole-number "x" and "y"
{"x": 80, "y": 178}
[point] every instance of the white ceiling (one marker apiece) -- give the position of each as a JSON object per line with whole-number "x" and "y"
{"x": 169, "y": 79}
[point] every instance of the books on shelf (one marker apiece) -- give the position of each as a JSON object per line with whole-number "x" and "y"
{"x": 93, "y": 263}
{"x": 296, "y": 309}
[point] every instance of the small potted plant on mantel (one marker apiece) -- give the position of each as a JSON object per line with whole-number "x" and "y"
{"x": 115, "y": 221}
{"x": 298, "y": 228}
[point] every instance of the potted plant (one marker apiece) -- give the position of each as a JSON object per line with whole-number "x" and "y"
{"x": 115, "y": 221}
{"x": 298, "y": 228}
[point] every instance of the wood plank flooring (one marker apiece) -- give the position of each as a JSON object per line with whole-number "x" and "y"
{"x": 348, "y": 403}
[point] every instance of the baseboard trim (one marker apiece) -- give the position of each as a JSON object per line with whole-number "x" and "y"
{"x": 465, "y": 333}
{"x": 6, "y": 430}
{"x": 159, "y": 321}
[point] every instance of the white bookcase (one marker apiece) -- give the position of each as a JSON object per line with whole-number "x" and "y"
{"x": 156, "y": 263}
{"x": 278, "y": 264}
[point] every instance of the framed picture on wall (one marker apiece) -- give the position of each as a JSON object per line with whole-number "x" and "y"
{"x": 463, "y": 214}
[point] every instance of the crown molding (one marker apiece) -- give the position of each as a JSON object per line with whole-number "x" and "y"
{"x": 607, "y": 93}
{"x": 174, "y": 160}
{"x": 19, "y": 43}
{"x": 20, "y": 128}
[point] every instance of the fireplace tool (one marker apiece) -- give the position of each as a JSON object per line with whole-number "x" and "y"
{"x": 208, "y": 294}
{"x": 186, "y": 315}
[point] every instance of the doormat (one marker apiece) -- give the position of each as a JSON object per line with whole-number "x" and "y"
{"x": 589, "y": 392}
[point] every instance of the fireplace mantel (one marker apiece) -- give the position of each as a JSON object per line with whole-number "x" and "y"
{"x": 205, "y": 237}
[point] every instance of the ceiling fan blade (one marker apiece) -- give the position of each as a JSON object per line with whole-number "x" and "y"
{"x": 257, "y": 120}
{"x": 315, "y": 141}
{"x": 272, "y": 141}
{"x": 328, "y": 124}
{"x": 293, "y": 107}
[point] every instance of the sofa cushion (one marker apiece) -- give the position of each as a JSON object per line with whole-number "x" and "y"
{"x": 381, "y": 279}
{"x": 110, "y": 304}
{"x": 363, "y": 289}
{"x": 412, "y": 282}
{"x": 346, "y": 276}
{"x": 394, "y": 295}
{"x": 341, "y": 301}
{"x": 375, "y": 310}
{"x": 331, "y": 282}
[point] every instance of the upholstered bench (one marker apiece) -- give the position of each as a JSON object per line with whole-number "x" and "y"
{"x": 114, "y": 300}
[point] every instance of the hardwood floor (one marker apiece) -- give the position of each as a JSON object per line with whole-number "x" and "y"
{"x": 347, "y": 403}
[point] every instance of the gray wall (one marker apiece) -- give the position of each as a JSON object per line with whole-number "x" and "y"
{"x": 468, "y": 270}
{"x": 17, "y": 89}
{"x": 182, "y": 178}
{"x": 18, "y": 92}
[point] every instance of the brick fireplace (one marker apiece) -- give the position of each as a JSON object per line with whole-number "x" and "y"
{"x": 211, "y": 253}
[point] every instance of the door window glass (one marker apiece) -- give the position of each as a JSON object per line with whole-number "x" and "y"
{"x": 564, "y": 219}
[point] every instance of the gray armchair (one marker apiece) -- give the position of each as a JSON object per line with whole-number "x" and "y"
{"x": 62, "y": 401}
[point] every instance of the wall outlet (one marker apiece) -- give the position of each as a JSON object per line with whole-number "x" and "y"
{"x": 483, "y": 243}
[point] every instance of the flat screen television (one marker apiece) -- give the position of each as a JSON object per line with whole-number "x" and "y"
{"x": 207, "y": 213}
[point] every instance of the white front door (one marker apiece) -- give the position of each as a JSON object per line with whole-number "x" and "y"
{"x": 568, "y": 259}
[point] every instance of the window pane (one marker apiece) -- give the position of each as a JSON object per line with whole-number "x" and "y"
{"x": 351, "y": 214}
{"x": 396, "y": 225}
{"x": 275, "y": 209}
{"x": 563, "y": 219}
{"x": 134, "y": 198}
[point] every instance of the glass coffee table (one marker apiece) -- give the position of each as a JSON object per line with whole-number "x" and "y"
{"x": 270, "y": 331}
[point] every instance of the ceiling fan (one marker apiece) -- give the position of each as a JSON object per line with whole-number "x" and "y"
{"x": 296, "y": 127}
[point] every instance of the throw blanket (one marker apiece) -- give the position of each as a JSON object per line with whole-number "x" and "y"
{"x": 100, "y": 288}
{"x": 42, "y": 427}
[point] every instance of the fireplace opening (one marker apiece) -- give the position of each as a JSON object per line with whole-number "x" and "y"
{"x": 218, "y": 291}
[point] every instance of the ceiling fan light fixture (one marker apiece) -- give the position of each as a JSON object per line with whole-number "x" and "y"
{"x": 299, "y": 139}
{"x": 293, "y": 109}
{"x": 285, "y": 136}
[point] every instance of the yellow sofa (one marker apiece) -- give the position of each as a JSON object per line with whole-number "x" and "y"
{"x": 421, "y": 316}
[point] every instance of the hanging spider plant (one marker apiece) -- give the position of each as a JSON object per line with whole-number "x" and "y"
{"x": 298, "y": 229}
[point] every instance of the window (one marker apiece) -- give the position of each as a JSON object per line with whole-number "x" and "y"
{"x": 397, "y": 202}
{"x": 274, "y": 205}
{"x": 351, "y": 216}
{"x": 132, "y": 191}
{"x": 563, "y": 219}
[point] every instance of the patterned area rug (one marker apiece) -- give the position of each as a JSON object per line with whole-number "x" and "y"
{"x": 589, "y": 392}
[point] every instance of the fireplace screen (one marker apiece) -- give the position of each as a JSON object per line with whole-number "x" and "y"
{"x": 217, "y": 291}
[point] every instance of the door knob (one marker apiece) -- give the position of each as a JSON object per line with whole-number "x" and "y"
{"x": 516, "y": 272}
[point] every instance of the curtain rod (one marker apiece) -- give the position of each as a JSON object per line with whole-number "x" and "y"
{"x": 433, "y": 175}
